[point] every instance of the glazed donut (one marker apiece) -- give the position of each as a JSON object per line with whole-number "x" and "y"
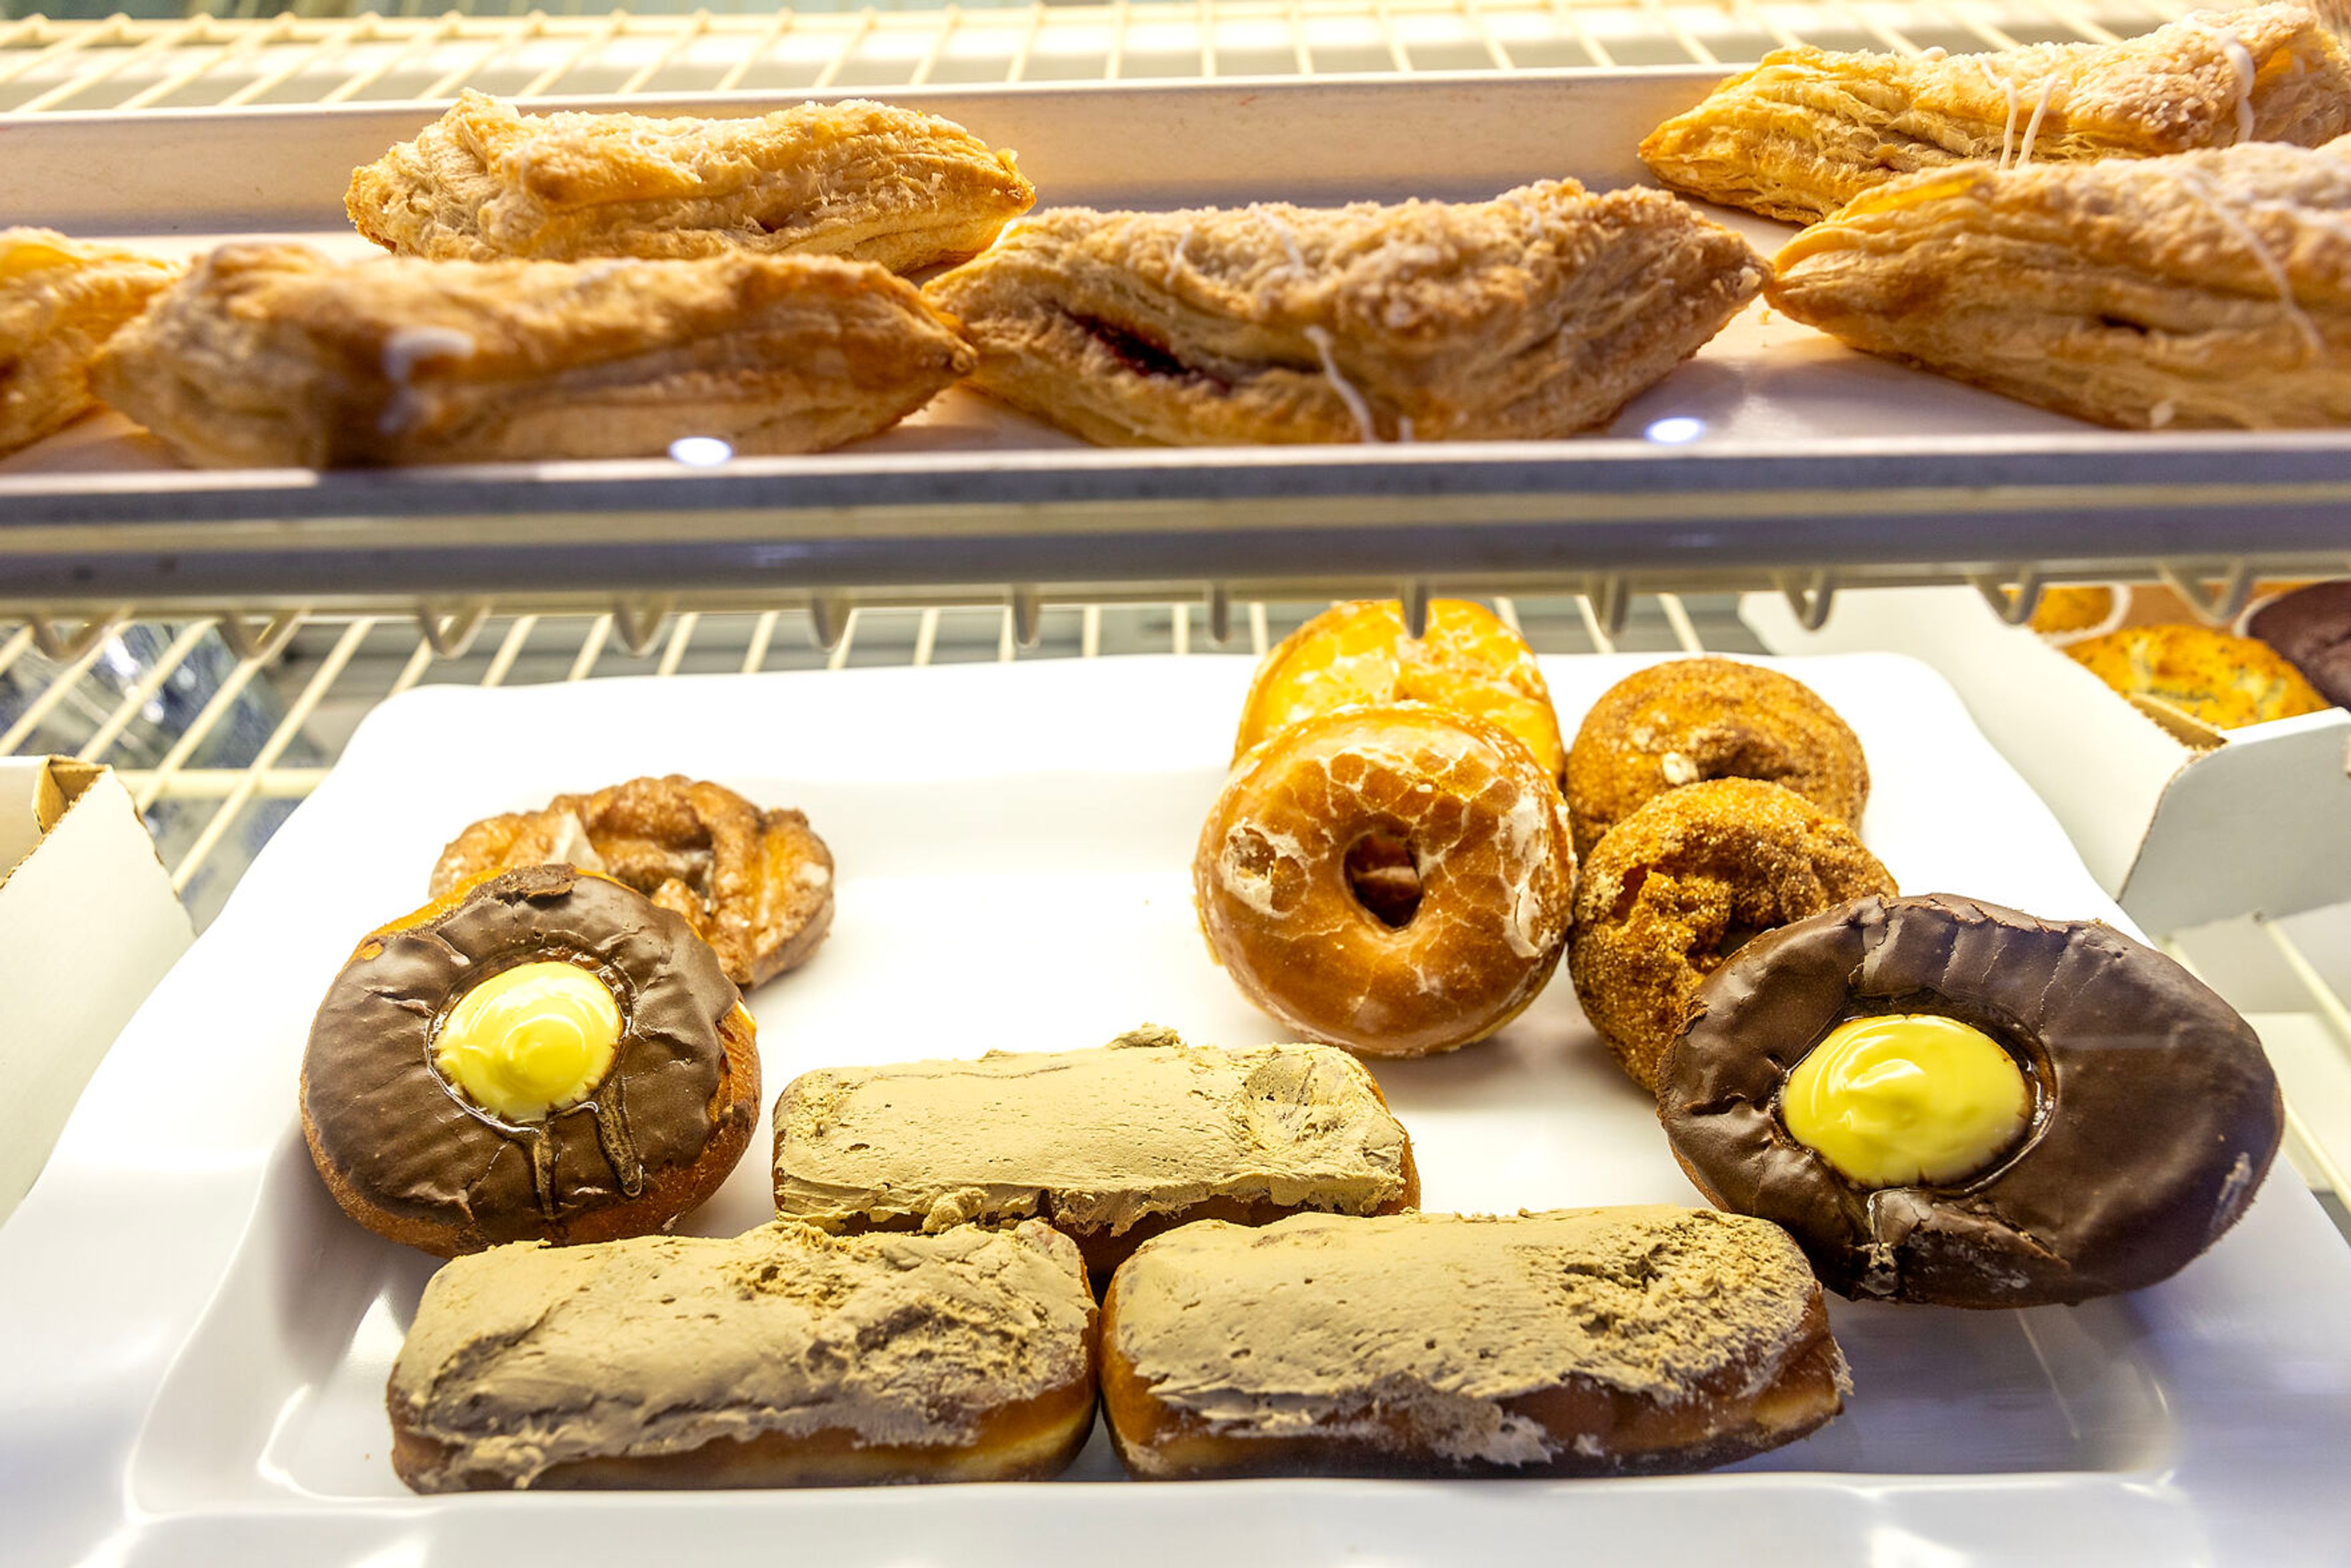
{"x": 1687, "y": 720}
{"x": 1358, "y": 652}
{"x": 783, "y": 1357}
{"x": 756, "y": 886}
{"x": 1676, "y": 886}
{"x": 2136, "y": 1112}
{"x": 544, "y": 1054}
{"x": 2215, "y": 677}
{"x": 1395, "y": 879}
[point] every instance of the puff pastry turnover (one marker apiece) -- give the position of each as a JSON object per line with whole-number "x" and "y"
{"x": 2210, "y": 288}
{"x": 858, "y": 180}
{"x": 1807, "y": 130}
{"x": 1532, "y": 315}
{"x": 273, "y": 355}
{"x": 59, "y": 302}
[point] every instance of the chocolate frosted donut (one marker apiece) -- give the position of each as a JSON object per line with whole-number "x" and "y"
{"x": 445, "y": 1155}
{"x": 2311, "y": 628}
{"x": 1677, "y": 886}
{"x": 1688, "y": 720}
{"x": 2153, "y": 1113}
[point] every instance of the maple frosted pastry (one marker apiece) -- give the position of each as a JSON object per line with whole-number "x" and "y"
{"x": 1581, "y": 1342}
{"x": 781, "y": 1357}
{"x": 1677, "y": 887}
{"x": 861, "y": 180}
{"x": 1392, "y": 878}
{"x": 1953, "y": 1102}
{"x": 2224, "y": 681}
{"x": 1359, "y": 651}
{"x": 60, "y": 301}
{"x": 543, "y": 1054}
{"x": 757, "y": 885}
{"x": 271, "y": 355}
{"x": 1112, "y": 1145}
{"x": 1685, "y": 720}
{"x": 1536, "y": 314}
{"x": 1807, "y": 130}
{"x": 2208, "y": 289}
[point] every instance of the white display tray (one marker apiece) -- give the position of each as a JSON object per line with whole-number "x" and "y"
{"x": 197, "y": 1340}
{"x": 1774, "y": 447}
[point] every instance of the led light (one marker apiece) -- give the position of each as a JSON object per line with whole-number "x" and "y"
{"x": 1674, "y": 431}
{"x": 700, "y": 451}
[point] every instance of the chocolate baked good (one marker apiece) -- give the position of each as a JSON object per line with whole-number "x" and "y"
{"x": 1581, "y": 1341}
{"x": 1685, "y": 720}
{"x": 757, "y": 885}
{"x": 1468, "y": 660}
{"x": 1393, "y": 879}
{"x": 2149, "y": 1114}
{"x": 1673, "y": 890}
{"x": 782, "y": 1357}
{"x": 545, "y": 1054}
{"x": 1112, "y": 1146}
{"x": 2311, "y": 628}
{"x": 2218, "y": 678}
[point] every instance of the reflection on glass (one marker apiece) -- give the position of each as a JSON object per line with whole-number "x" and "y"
{"x": 1674, "y": 431}
{"x": 700, "y": 451}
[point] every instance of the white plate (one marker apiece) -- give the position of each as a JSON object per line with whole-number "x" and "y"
{"x": 197, "y": 1340}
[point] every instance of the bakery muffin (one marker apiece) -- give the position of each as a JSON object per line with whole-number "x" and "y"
{"x": 782, "y": 1357}
{"x": 1678, "y": 886}
{"x": 1359, "y": 653}
{"x": 1112, "y": 1146}
{"x": 1685, "y": 720}
{"x": 754, "y": 884}
{"x": 1952, "y": 1103}
{"x": 2215, "y": 677}
{"x": 1392, "y": 878}
{"x": 544, "y": 1054}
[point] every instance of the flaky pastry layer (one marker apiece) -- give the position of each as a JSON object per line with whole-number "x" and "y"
{"x": 863, "y": 180}
{"x": 60, "y": 301}
{"x": 1534, "y": 315}
{"x": 1807, "y": 129}
{"x": 273, "y": 355}
{"x": 2210, "y": 288}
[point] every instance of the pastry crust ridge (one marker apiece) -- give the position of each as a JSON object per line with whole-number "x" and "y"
{"x": 60, "y": 299}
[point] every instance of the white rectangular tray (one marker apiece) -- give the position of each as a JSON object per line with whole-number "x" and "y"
{"x": 1774, "y": 447}
{"x": 198, "y": 1339}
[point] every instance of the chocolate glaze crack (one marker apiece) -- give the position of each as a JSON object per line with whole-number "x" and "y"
{"x": 2156, "y": 1114}
{"x": 417, "y": 1146}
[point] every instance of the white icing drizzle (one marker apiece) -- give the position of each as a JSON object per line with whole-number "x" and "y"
{"x": 2008, "y": 91}
{"x": 1934, "y": 52}
{"x": 2213, "y": 202}
{"x": 2161, "y": 414}
{"x": 1403, "y": 429}
{"x": 2033, "y": 127}
{"x": 402, "y": 351}
{"x": 1283, "y": 232}
{"x": 1176, "y": 259}
{"x": 2241, "y": 60}
{"x": 1347, "y": 393}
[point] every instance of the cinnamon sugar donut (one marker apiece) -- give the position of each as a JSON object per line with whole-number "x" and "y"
{"x": 1358, "y": 652}
{"x": 757, "y": 885}
{"x": 1688, "y": 719}
{"x": 1393, "y": 878}
{"x": 1674, "y": 889}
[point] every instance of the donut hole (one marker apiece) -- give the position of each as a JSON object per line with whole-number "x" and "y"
{"x": 1383, "y": 877}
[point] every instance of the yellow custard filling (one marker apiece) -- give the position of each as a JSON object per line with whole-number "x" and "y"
{"x": 530, "y": 1040}
{"x": 1907, "y": 1098}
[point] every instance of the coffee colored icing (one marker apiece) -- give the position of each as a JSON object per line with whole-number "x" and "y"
{"x": 1345, "y": 1328}
{"x": 527, "y": 1356}
{"x": 2155, "y": 1118}
{"x": 1093, "y": 1140}
{"x": 410, "y": 1141}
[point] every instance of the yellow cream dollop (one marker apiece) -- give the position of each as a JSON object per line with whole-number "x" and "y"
{"x": 530, "y": 1040}
{"x": 1907, "y": 1098}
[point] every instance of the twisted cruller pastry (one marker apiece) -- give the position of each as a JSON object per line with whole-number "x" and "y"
{"x": 1676, "y": 888}
{"x": 1393, "y": 879}
{"x": 757, "y": 885}
{"x": 59, "y": 302}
